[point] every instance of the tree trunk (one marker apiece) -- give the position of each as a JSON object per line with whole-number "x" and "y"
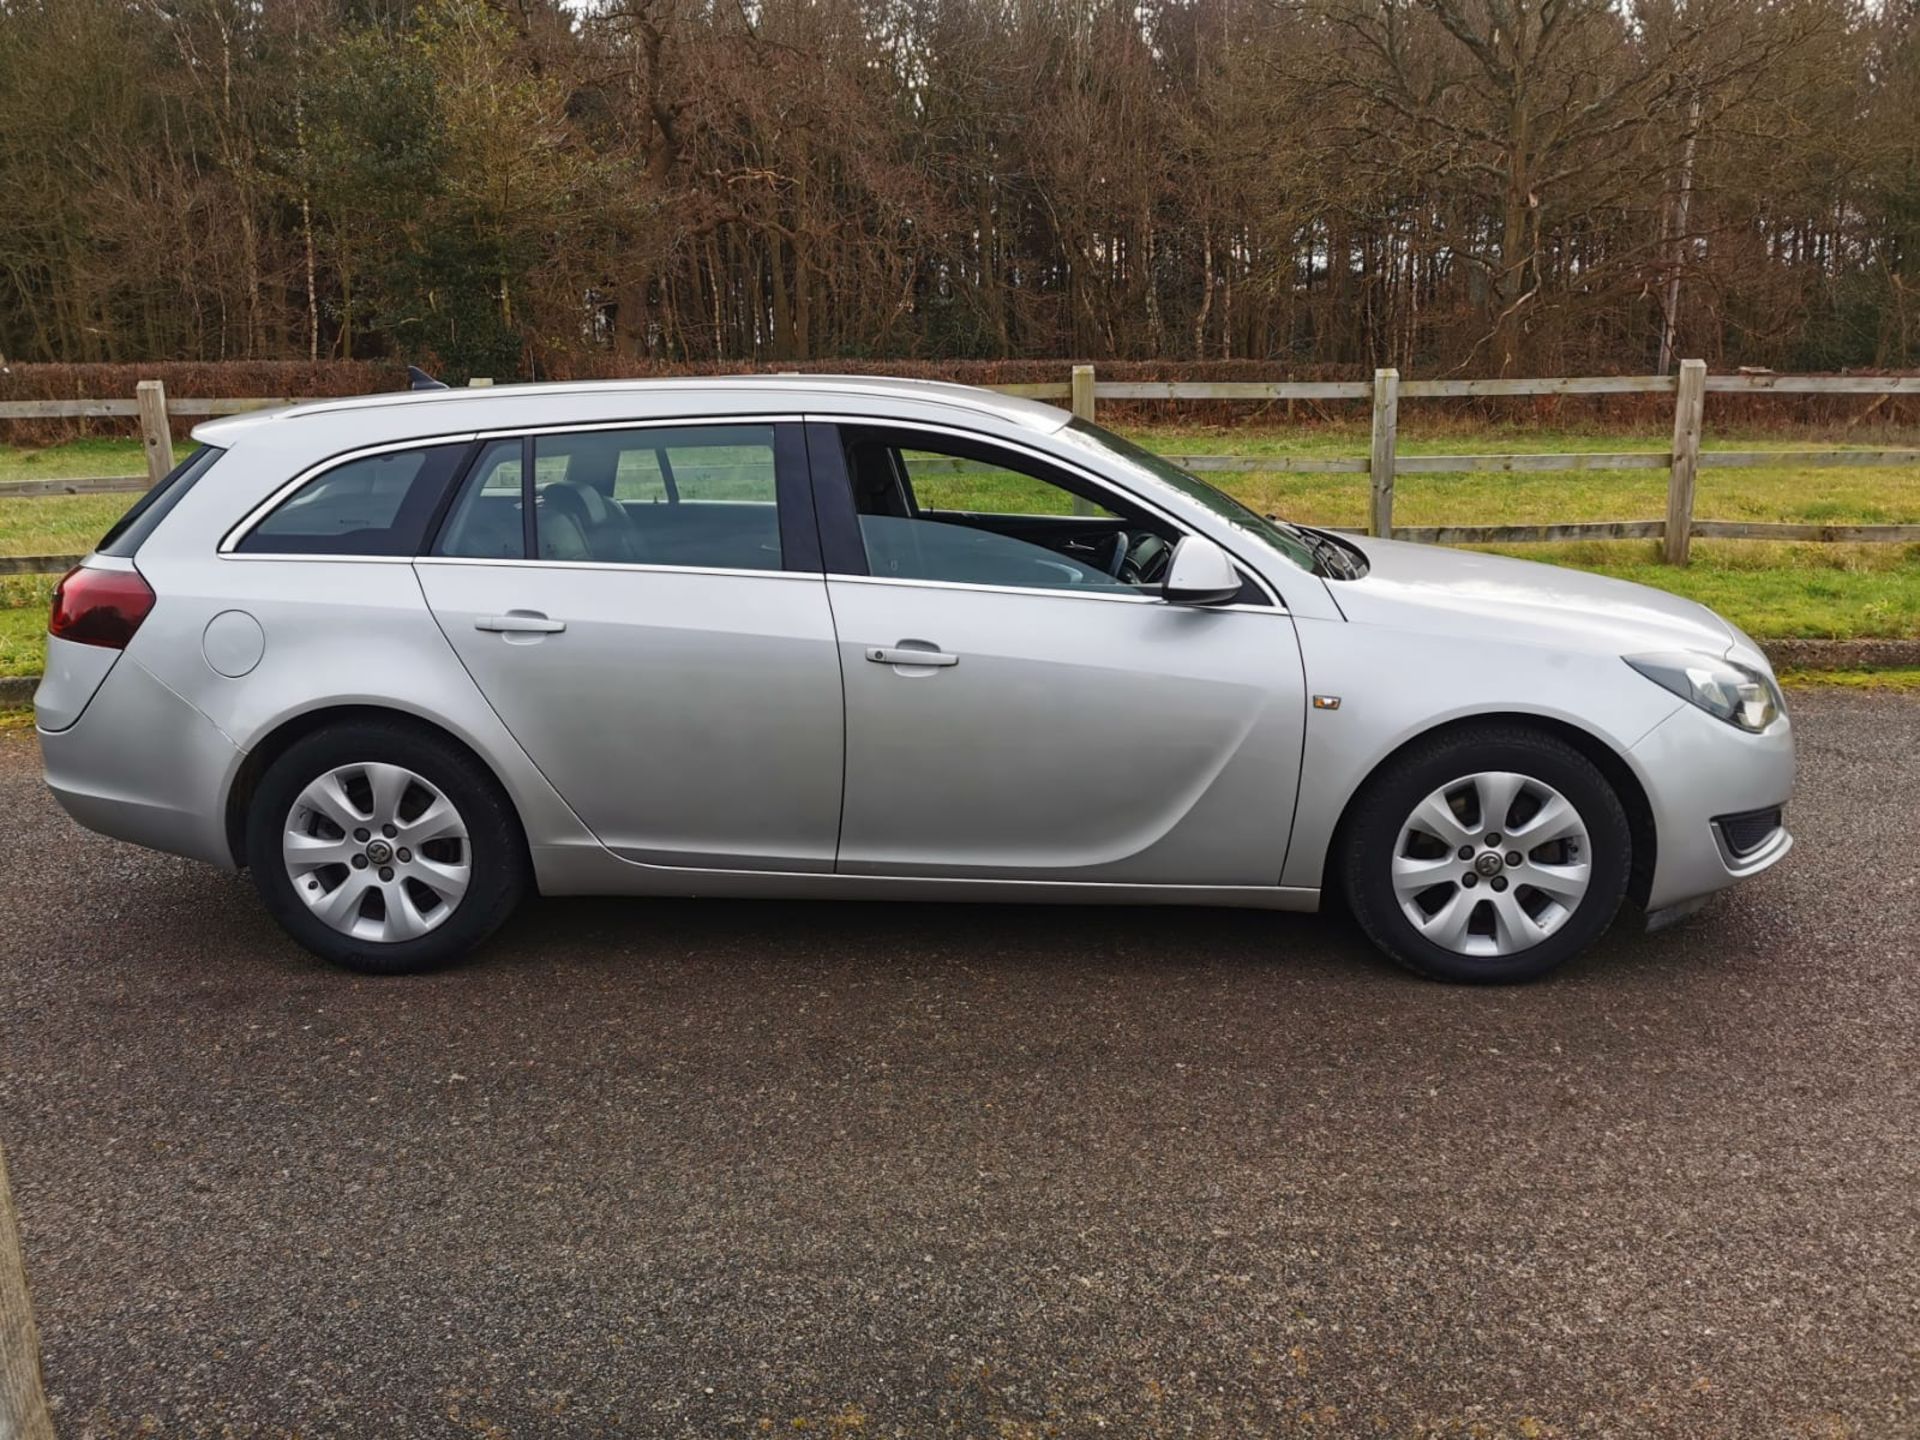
{"x": 1677, "y": 237}
{"x": 1516, "y": 220}
{"x": 1206, "y": 294}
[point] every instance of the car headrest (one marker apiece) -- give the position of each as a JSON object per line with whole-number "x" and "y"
{"x": 594, "y": 464}
{"x": 586, "y": 507}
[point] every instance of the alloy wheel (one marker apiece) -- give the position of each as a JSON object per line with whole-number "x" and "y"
{"x": 377, "y": 852}
{"x": 1491, "y": 864}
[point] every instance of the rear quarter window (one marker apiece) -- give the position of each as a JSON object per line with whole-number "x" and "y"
{"x": 131, "y": 530}
{"x": 375, "y": 505}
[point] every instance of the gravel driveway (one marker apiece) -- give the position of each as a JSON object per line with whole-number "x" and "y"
{"x": 729, "y": 1169}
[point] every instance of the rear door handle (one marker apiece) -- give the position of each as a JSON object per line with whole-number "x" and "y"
{"x": 520, "y": 622}
{"x": 910, "y": 655}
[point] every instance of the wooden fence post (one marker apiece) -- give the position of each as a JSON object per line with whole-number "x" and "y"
{"x": 23, "y": 1401}
{"x": 155, "y": 433}
{"x": 1386, "y": 425}
{"x": 1689, "y": 408}
{"x": 1082, "y": 391}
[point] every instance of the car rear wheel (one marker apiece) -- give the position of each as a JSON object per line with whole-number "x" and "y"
{"x": 384, "y": 848}
{"x": 1487, "y": 855}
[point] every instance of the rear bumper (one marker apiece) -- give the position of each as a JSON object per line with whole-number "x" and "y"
{"x": 142, "y": 765}
{"x": 1697, "y": 770}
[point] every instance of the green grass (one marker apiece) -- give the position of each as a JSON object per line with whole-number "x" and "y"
{"x": 1875, "y": 495}
{"x": 63, "y": 524}
{"x": 58, "y": 524}
{"x": 1768, "y": 589}
{"x": 76, "y": 459}
{"x": 1902, "y": 678}
{"x": 23, "y": 641}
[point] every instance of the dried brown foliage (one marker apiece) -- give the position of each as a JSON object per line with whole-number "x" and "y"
{"x": 533, "y": 189}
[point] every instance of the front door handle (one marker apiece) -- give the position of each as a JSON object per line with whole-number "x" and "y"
{"x": 907, "y": 653}
{"x": 520, "y": 622}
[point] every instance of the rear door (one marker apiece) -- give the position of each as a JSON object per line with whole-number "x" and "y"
{"x": 644, "y": 608}
{"x": 1021, "y": 704}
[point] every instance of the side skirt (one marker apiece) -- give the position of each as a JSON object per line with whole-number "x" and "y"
{"x": 580, "y": 870}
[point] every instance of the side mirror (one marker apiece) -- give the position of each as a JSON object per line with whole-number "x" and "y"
{"x": 1200, "y": 574}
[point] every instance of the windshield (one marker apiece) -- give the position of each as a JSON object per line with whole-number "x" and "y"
{"x": 1274, "y": 535}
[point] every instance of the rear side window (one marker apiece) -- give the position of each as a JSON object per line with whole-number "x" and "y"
{"x": 131, "y": 530}
{"x": 689, "y": 496}
{"x": 377, "y": 505}
{"x": 488, "y": 521}
{"x": 699, "y": 496}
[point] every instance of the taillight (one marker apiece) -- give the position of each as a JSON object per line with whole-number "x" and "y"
{"x": 99, "y": 607}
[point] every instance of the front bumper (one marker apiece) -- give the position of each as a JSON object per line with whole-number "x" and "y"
{"x": 1697, "y": 770}
{"x": 142, "y": 765}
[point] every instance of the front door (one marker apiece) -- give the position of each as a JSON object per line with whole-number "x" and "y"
{"x": 1020, "y": 703}
{"x": 666, "y": 656}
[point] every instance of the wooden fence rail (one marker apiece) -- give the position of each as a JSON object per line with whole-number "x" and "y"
{"x": 1683, "y": 459}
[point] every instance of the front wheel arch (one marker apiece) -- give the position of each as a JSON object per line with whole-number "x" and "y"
{"x": 1604, "y": 758}
{"x": 296, "y": 728}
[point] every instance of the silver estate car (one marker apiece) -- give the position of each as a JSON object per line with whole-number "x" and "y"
{"x": 406, "y": 657}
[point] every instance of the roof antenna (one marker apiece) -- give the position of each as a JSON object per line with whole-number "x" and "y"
{"x": 418, "y": 379}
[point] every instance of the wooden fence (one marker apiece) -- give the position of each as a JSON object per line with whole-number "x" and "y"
{"x": 1682, "y": 460}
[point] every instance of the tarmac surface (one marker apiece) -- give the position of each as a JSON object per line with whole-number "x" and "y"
{"x": 731, "y": 1169}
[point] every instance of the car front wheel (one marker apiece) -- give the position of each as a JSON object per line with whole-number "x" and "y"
{"x": 384, "y": 848}
{"x": 1487, "y": 855}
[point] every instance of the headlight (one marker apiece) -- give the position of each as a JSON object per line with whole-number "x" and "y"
{"x": 1737, "y": 695}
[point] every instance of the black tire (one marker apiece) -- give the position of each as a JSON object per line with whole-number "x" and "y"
{"x": 1373, "y": 827}
{"x": 497, "y": 852}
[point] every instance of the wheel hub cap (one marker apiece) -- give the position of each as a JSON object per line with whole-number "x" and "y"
{"x": 377, "y": 852}
{"x": 1491, "y": 864}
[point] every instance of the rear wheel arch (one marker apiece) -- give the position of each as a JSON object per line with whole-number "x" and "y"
{"x": 1602, "y": 755}
{"x": 295, "y": 728}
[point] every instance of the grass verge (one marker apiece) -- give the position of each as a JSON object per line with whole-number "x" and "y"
{"x": 1903, "y": 679}
{"x": 76, "y": 459}
{"x": 23, "y": 641}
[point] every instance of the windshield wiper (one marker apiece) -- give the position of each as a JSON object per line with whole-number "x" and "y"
{"x": 1334, "y": 559}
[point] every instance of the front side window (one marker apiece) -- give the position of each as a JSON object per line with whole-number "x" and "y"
{"x": 962, "y": 512}
{"x": 376, "y": 505}
{"x": 1116, "y": 449}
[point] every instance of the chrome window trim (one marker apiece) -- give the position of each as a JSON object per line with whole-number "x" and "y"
{"x": 231, "y": 541}
{"x": 284, "y": 555}
{"x": 1063, "y": 592}
{"x": 1073, "y": 467}
{"x": 253, "y": 517}
{"x": 618, "y": 565}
